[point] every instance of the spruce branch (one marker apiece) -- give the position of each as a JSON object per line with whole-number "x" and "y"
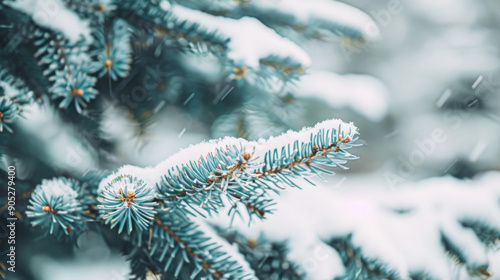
{"x": 312, "y": 19}
{"x": 268, "y": 259}
{"x": 114, "y": 53}
{"x": 156, "y": 202}
{"x": 14, "y": 94}
{"x": 63, "y": 60}
{"x": 55, "y": 205}
{"x": 204, "y": 264}
{"x": 256, "y": 55}
{"x": 127, "y": 202}
{"x": 97, "y": 10}
{"x": 179, "y": 245}
{"x": 9, "y": 111}
{"x": 245, "y": 171}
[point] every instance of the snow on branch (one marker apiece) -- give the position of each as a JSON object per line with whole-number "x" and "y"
{"x": 244, "y": 171}
{"x": 246, "y": 45}
{"x": 55, "y": 205}
{"x": 249, "y": 40}
{"x": 151, "y": 204}
{"x": 410, "y": 232}
{"x": 310, "y": 18}
{"x": 56, "y": 16}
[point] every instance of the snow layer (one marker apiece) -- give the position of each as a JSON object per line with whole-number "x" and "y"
{"x": 339, "y": 14}
{"x": 364, "y": 94}
{"x": 54, "y": 15}
{"x": 153, "y": 175}
{"x": 57, "y": 187}
{"x": 336, "y": 17}
{"x": 250, "y": 40}
{"x": 408, "y": 241}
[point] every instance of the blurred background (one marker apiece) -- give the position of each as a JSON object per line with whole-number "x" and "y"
{"x": 425, "y": 98}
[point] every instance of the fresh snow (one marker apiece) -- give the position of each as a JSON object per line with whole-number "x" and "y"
{"x": 250, "y": 40}
{"x": 339, "y": 14}
{"x": 334, "y": 16}
{"x": 408, "y": 242}
{"x": 153, "y": 175}
{"x": 54, "y": 15}
{"x": 57, "y": 187}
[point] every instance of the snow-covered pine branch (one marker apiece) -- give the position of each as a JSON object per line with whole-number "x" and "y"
{"x": 246, "y": 170}
{"x": 55, "y": 206}
{"x": 421, "y": 231}
{"x": 246, "y": 46}
{"x": 55, "y": 16}
{"x": 152, "y": 205}
{"x": 312, "y": 18}
{"x": 14, "y": 96}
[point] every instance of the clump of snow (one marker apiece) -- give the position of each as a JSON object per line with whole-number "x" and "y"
{"x": 165, "y": 4}
{"x": 127, "y": 170}
{"x": 250, "y": 40}
{"x": 120, "y": 185}
{"x": 54, "y": 15}
{"x": 57, "y": 187}
{"x": 364, "y": 94}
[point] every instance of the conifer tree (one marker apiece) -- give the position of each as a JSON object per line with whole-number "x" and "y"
{"x": 64, "y": 64}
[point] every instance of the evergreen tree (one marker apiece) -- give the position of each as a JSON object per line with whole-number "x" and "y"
{"x": 67, "y": 64}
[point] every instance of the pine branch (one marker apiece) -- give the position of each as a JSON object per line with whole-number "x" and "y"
{"x": 113, "y": 53}
{"x": 13, "y": 96}
{"x": 96, "y": 10}
{"x": 55, "y": 205}
{"x": 63, "y": 60}
{"x": 154, "y": 210}
{"x": 422, "y": 218}
{"x": 268, "y": 259}
{"x": 179, "y": 245}
{"x": 243, "y": 171}
{"x": 247, "y": 47}
{"x": 311, "y": 19}
{"x": 205, "y": 265}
